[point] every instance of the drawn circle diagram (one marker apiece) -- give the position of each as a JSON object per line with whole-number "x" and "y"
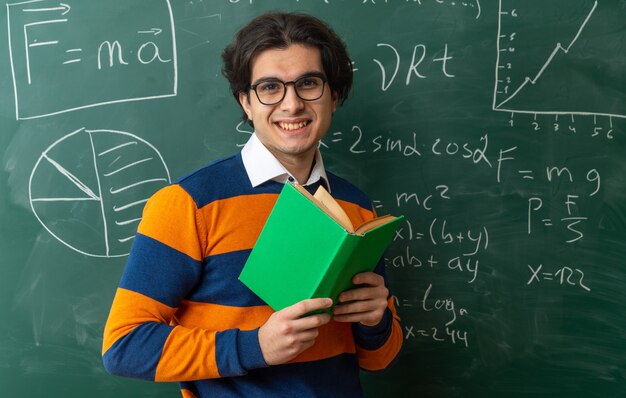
{"x": 88, "y": 189}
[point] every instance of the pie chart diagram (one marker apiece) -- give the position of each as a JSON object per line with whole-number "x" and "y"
{"x": 88, "y": 189}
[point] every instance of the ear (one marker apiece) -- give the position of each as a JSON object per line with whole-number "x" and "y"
{"x": 244, "y": 101}
{"x": 335, "y": 99}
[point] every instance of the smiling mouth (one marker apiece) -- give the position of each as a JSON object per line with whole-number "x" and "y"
{"x": 293, "y": 126}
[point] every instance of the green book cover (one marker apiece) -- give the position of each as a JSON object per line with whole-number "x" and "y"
{"x": 303, "y": 252}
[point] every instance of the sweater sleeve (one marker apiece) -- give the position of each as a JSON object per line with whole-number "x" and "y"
{"x": 377, "y": 346}
{"x": 141, "y": 338}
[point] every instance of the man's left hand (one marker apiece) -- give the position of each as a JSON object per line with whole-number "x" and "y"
{"x": 366, "y": 303}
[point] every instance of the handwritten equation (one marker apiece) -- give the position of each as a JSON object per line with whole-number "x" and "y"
{"x": 116, "y": 62}
{"x": 448, "y": 330}
{"x": 563, "y": 275}
{"x": 464, "y": 4}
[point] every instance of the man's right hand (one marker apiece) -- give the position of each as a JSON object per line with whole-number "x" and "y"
{"x": 286, "y": 333}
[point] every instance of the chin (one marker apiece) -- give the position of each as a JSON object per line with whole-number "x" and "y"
{"x": 297, "y": 150}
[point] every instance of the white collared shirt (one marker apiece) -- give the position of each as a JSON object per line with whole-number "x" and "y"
{"x": 262, "y": 166}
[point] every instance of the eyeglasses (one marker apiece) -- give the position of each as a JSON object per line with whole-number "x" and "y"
{"x": 272, "y": 91}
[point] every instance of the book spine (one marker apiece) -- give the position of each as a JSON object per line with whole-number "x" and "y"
{"x": 340, "y": 270}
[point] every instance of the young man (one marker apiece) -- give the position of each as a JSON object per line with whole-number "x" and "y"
{"x": 181, "y": 314}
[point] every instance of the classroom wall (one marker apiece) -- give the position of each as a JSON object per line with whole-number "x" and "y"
{"x": 496, "y": 127}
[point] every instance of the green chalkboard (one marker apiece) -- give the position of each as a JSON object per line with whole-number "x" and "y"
{"x": 496, "y": 127}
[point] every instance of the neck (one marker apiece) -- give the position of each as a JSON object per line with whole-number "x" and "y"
{"x": 300, "y": 167}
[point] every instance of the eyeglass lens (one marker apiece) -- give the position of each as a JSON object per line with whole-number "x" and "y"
{"x": 308, "y": 88}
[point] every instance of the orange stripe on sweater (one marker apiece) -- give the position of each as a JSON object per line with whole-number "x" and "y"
{"x": 187, "y": 393}
{"x": 220, "y": 317}
{"x": 334, "y": 338}
{"x": 179, "y": 359}
{"x": 237, "y": 222}
{"x": 170, "y": 217}
{"x": 129, "y": 310}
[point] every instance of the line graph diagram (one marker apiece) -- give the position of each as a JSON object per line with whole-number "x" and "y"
{"x": 560, "y": 58}
{"x": 89, "y": 187}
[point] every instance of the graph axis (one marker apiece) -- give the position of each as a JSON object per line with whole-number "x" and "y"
{"x": 499, "y": 106}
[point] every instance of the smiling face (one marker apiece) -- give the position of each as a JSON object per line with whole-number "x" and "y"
{"x": 292, "y": 128}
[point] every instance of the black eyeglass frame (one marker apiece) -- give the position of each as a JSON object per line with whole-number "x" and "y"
{"x": 252, "y": 87}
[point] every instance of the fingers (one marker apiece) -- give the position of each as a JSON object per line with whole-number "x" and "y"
{"x": 366, "y": 304}
{"x": 377, "y": 305}
{"x": 306, "y": 306}
{"x": 288, "y": 332}
{"x": 369, "y": 317}
{"x": 372, "y": 287}
{"x": 301, "y": 326}
{"x": 295, "y": 320}
{"x": 364, "y": 293}
{"x": 368, "y": 278}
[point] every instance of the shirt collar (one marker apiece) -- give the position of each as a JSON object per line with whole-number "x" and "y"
{"x": 261, "y": 166}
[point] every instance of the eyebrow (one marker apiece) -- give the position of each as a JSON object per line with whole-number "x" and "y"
{"x": 274, "y": 78}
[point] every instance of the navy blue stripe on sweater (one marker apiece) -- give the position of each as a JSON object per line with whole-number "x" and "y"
{"x": 219, "y": 282}
{"x": 146, "y": 343}
{"x": 159, "y": 271}
{"x": 341, "y": 380}
{"x": 227, "y": 178}
{"x": 223, "y": 179}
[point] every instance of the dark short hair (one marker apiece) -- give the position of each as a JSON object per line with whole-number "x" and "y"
{"x": 279, "y": 30}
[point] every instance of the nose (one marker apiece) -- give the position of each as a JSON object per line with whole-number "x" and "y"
{"x": 291, "y": 103}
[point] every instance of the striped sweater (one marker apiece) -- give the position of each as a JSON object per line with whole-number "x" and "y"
{"x": 181, "y": 314}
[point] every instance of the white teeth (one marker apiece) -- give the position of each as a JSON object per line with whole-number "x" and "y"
{"x": 292, "y": 126}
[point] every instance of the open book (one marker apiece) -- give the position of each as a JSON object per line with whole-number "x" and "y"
{"x": 309, "y": 248}
{"x": 330, "y": 206}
